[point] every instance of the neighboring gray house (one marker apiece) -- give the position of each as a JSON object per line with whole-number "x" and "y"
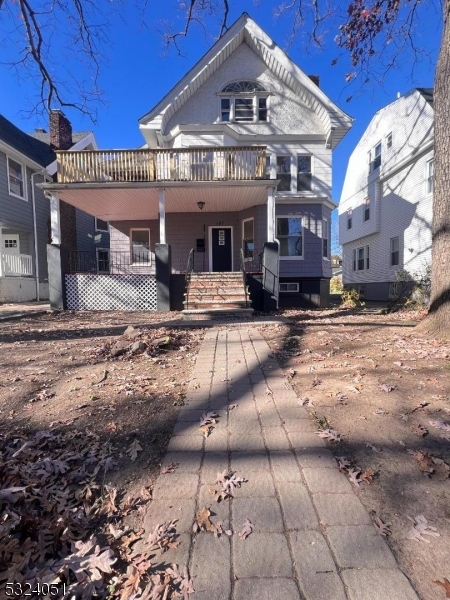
{"x": 386, "y": 207}
{"x": 25, "y": 213}
{"x": 238, "y": 155}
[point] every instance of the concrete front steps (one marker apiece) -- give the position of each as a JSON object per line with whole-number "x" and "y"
{"x": 216, "y": 296}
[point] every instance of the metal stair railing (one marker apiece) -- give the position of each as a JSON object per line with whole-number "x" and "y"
{"x": 244, "y": 275}
{"x": 189, "y": 269}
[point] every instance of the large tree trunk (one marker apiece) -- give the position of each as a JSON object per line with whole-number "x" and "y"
{"x": 438, "y": 320}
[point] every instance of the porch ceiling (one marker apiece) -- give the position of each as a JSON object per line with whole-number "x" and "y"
{"x": 135, "y": 203}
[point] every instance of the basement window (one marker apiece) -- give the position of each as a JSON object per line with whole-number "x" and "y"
{"x": 289, "y": 287}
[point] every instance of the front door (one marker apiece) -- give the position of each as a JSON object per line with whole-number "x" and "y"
{"x": 221, "y": 250}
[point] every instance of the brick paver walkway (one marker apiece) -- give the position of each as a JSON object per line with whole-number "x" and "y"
{"x": 312, "y": 537}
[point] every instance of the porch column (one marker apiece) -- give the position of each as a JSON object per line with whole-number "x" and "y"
{"x": 55, "y": 217}
{"x": 271, "y": 214}
{"x": 162, "y": 216}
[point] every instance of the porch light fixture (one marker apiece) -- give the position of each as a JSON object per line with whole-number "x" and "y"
{"x": 200, "y": 204}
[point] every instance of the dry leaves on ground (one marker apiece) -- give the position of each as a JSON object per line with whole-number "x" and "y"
{"x": 133, "y": 450}
{"x": 382, "y": 528}
{"x": 246, "y": 530}
{"x": 444, "y": 584}
{"x": 329, "y": 434}
{"x": 420, "y": 529}
{"x": 204, "y": 523}
{"x": 170, "y": 468}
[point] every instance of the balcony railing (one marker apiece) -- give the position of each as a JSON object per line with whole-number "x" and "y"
{"x": 188, "y": 164}
{"x": 15, "y": 265}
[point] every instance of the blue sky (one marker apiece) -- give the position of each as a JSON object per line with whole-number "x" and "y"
{"x": 136, "y": 74}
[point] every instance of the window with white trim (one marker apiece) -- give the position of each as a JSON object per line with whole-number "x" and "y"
{"x": 375, "y": 158}
{"x": 290, "y": 236}
{"x": 361, "y": 258}
{"x": 244, "y": 102}
{"x": 395, "y": 251}
{"x": 284, "y": 173}
{"x": 101, "y": 225}
{"x": 430, "y": 176}
{"x": 248, "y": 241}
{"x": 289, "y": 287}
{"x": 325, "y": 238}
{"x": 140, "y": 246}
{"x": 16, "y": 179}
{"x": 103, "y": 260}
{"x": 349, "y": 219}
{"x": 304, "y": 173}
{"x": 367, "y": 209}
{"x": 389, "y": 140}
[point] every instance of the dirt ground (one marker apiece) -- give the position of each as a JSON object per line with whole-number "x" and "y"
{"x": 374, "y": 381}
{"x": 368, "y": 377}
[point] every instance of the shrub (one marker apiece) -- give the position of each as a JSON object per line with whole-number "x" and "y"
{"x": 336, "y": 286}
{"x": 350, "y": 299}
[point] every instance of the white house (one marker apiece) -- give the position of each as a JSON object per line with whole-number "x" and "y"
{"x": 237, "y": 155}
{"x": 385, "y": 211}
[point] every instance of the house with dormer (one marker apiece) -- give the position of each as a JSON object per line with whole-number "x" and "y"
{"x": 386, "y": 206}
{"x": 232, "y": 185}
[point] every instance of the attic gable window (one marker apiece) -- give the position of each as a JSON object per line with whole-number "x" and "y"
{"x": 243, "y": 102}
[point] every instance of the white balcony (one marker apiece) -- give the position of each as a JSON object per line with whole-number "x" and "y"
{"x": 15, "y": 265}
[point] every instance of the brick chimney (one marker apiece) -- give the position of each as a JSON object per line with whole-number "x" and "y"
{"x": 60, "y": 130}
{"x": 315, "y": 79}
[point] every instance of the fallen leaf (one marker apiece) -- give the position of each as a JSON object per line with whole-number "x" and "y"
{"x": 134, "y": 448}
{"x": 444, "y": 584}
{"x": 329, "y": 434}
{"x": 424, "y": 460}
{"x": 420, "y": 430}
{"x": 246, "y": 530}
{"x": 387, "y": 387}
{"x": 419, "y": 406}
{"x": 382, "y": 528}
{"x": 374, "y": 448}
{"x": 170, "y": 468}
{"x": 380, "y": 411}
{"x": 368, "y": 475}
{"x": 208, "y": 418}
{"x": 353, "y": 388}
{"x": 202, "y": 520}
{"x": 206, "y": 430}
{"x": 441, "y": 468}
{"x": 354, "y": 476}
{"x": 420, "y": 529}
{"x": 344, "y": 463}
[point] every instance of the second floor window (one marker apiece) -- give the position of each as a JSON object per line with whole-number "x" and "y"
{"x": 375, "y": 158}
{"x": 284, "y": 173}
{"x": 349, "y": 219}
{"x": 430, "y": 176}
{"x": 16, "y": 179}
{"x": 304, "y": 174}
{"x": 367, "y": 209}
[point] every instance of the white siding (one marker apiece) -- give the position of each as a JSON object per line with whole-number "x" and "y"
{"x": 402, "y": 206}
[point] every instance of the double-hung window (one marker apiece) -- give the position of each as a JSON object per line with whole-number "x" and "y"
{"x": 430, "y": 176}
{"x": 284, "y": 173}
{"x": 395, "y": 252}
{"x": 375, "y": 158}
{"x": 140, "y": 246}
{"x": 102, "y": 260}
{"x": 290, "y": 236}
{"x": 367, "y": 209}
{"x": 325, "y": 238}
{"x": 304, "y": 173}
{"x": 16, "y": 179}
{"x": 244, "y": 102}
{"x": 349, "y": 219}
{"x": 389, "y": 140}
{"x": 248, "y": 240}
{"x": 361, "y": 258}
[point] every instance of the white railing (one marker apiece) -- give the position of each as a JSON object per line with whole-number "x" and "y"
{"x": 15, "y": 264}
{"x": 228, "y": 163}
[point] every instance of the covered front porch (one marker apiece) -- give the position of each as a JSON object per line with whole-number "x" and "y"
{"x": 154, "y": 225}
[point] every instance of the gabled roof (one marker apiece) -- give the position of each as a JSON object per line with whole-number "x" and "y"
{"x": 25, "y": 144}
{"x": 336, "y": 122}
{"x": 428, "y": 94}
{"x": 44, "y": 136}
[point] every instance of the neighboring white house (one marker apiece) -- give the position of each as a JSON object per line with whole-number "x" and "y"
{"x": 385, "y": 211}
{"x": 237, "y": 154}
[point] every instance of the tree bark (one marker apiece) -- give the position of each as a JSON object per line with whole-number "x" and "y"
{"x": 437, "y": 321}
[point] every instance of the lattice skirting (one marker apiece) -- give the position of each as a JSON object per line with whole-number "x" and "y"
{"x": 110, "y": 292}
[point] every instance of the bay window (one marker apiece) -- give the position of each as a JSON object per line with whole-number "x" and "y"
{"x": 290, "y": 236}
